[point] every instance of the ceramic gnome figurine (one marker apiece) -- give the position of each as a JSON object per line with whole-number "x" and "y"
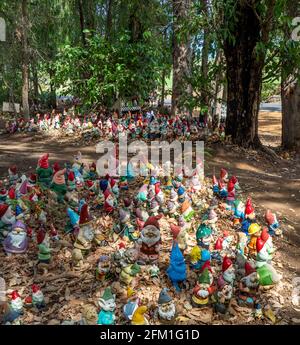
{"x": 264, "y": 250}
{"x": 248, "y": 287}
{"x": 107, "y": 304}
{"x": 16, "y": 241}
{"x": 267, "y": 275}
{"x": 16, "y": 306}
{"x": 38, "y": 300}
{"x": 204, "y": 236}
{"x": 180, "y": 236}
{"x": 132, "y": 304}
{"x": 86, "y": 232}
{"x": 249, "y": 217}
{"x": 166, "y": 310}
{"x": 273, "y": 224}
{"x": 128, "y": 274}
{"x": 203, "y": 290}
{"x": 149, "y": 241}
{"x": 44, "y": 255}
{"x": 103, "y": 268}
{"x": 13, "y": 175}
{"x": 44, "y": 171}
{"x": 228, "y": 272}
{"x": 176, "y": 271}
{"x": 187, "y": 210}
{"x": 7, "y": 219}
{"x": 138, "y": 318}
{"x": 254, "y": 232}
{"x": 59, "y": 184}
{"x": 223, "y": 296}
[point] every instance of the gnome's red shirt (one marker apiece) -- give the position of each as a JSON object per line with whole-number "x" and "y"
{"x": 150, "y": 250}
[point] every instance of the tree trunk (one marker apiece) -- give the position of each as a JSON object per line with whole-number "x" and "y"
{"x": 35, "y": 81}
{"x": 25, "y": 61}
{"x": 290, "y": 93}
{"x": 163, "y": 87}
{"x": 244, "y": 73}
{"x": 181, "y": 54}
{"x": 52, "y": 90}
{"x": 81, "y": 17}
{"x": 219, "y": 91}
{"x": 290, "y": 98}
{"x": 109, "y": 19}
{"x": 205, "y": 52}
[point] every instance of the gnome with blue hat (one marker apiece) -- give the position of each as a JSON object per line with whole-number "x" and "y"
{"x": 166, "y": 310}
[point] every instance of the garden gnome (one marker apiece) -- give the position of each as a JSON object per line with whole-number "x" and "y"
{"x": 177, "y": 268}
{"x": 138, "y": 317}
{"x": 16, "y": 303}
{"x": 272, "y": 222}
{"x": 166, "y": 307}
{"x": 254, "y": 232}
{"x": 187, "y": 210}
{"x": 203, "y": 290}
{"x": 86, "y": 232}
{"x": 132, "y": 304}
{"x": 239, "y": 212}
{"x": 204, "y": 236}
{"x": 44, "y": 255}
{"x": 107, "y": 304}
{"x": 7, "y": 218}
{"x": 248, "y": 287}
{"x": 38, "y": 300}
{"x": 16, "y": 241}
{"x": 179, "y": 235}
{"x": 228, "y": 272}
{"x": 103, "y": 267}
{"x": 215, "y": 185}
{"x": 13, "y": 175}
{"x": 59, "y": 184}
{"x": 249, "y": 216}
{"x": 44, "y": 171}
{"x": 263, "y": 256}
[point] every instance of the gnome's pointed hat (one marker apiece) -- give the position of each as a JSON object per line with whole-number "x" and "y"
{"x": 248, "y": 268}
{"x": 265, "y": 234}
{"x": 164, "y": 297}
{"x": 71, "y": 175}
{"x": 226, "y": 263}
{"x": 230, "y": 186}
{"x": 218, "y": 245}
{"x": 206, "y": 265}
{"x": 23, "y": 187}
{"x": 153, "y": 220}
{"x": 35, "y": 288}
{"x": 15, "y": 295}
{"x": 84, "y": 215}
{"x": 13, "y": 169}
{"x": 41, "y": 236}
{"x": 175, "y": 230}
{"x": 107, "y": 295}
{"x": 43, "y": 161}
{"x": 204, "y": 277}
{"x": 259, "y": 244}
{"x": 56, "y": 167}
{"x": 270, "y": 217}
{"x": 59, "y": 177}
{"x": 249, "y": 208}
{"x": 11, "y": 193}
{"x": 223, "y": 174}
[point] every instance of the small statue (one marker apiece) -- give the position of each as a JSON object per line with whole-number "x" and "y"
{"x": 215, "y": 185}
{"x": 176, "y": 271}
{"x": 12, "y": 175}
{"x": 154, "y": 272}
{"x": 107, "y": 304}
{"x": 103, "y": 268}
{"x": 249, "y": 216}
{"x": 267, "y": 275}
{"x": 228, "y": 272}
{"x": 138, "y": 317}
{"x": 86, "y": 232}
{"x": 7, "y": 219}
{"x": 180, "y": 236}
{"x": 242, "y": 244}
{"x": 273, "y": 224}
{"x": 128, "y": 273}
{"x": 44, "y": 255}
{"x": 223, "y": 297}
{"x": 71, "y": 184}
{"x": 230, "y": 194}
{"x": 78, "y": 260}
{"x": 16, "y": 241}
{"x": 203, "y": 290}
{"x": 204, "y": 236}
{"x": 44, "y": 171}
{"x": 38, "y": 299}
{"x": 187, "y": 210}
{"x": 166, "y": 310}
{"x": 149, "y": 242}
{"x": 59, "y": 184}
{"x": 154, "y": 207}
{"x": 263, "y": 256}
{"x": 16, "y": 305}
{"x": 132, "y": 304}
{"x": 109, "y": 203}
{"x": 248, "y": 287}
{"x": 254, "y": 232}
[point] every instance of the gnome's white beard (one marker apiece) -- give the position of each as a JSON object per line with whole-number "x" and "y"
{"x": 169, "y": 314}
{"x": 229, "y": 276}
{"x": 38, "y": 296}
{"x": 17, "y": 304}
{"x": 17, "y": 238}
{"x": 251, "y": 281}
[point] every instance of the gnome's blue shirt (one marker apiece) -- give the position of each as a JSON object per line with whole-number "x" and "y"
{"x": 106, "y": 318}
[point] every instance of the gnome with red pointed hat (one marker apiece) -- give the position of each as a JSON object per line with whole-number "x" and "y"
{"x": 180, "y": 236}
{"x": 13, "y": 175}
{"x": 249, "y": 216}
{"x": 71, "y": 181}
{"x": 44, "y": 171}
{"x": 86, "y": 231}
{"x": 43, "y": 242}
{"x": 273, "y": 224}
{"x": 38, "y": 299}
{"x": 248, "y": 287}
{"x": 59, "y": 184}
{"x": 7, "y": 219}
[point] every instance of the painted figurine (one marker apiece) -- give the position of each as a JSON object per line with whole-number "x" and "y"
{"x": 203, "y": 290}
{"x": 248, "y": 287}
{"x": 273, "y": 224}
{"x": 254, "y": 232}
{"x": 204, "y": 236}
{"x": 166, "y": 310}
{"x": 187, "y": 210}
{"x": 44, "y": 171}
{"x": 180, "y": 236}
{"x": 59, "y": 184}
{"x": 16, "y": 241}
{"x": 132, "y": 304}
{"x": 107, "y": 304}
{"x": 86, "y": 232}
{"x": 139, "y": 318}
{"x": 103, "y": 268}
{"x": 176, "y": 271}
{"x": 43, "y": 240}
{"x": 38, "y": 299}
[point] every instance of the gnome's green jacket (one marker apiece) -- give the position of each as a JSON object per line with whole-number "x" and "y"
{"x": 44, "y": 175}
{"x": 44, "y": 252}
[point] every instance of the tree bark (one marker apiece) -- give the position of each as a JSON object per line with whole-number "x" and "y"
{"x": 244, "y": 73}
{"x": 25, "y": 61}
{"x": 163, "y": 87}
{"x": 290, "y": 93}
{"x": 219, "y": 91}
{"x": 181, "y": 54}
{"x": 109, "y": 19}
{"x": 81, "y": 18}
{"x": 205, "y": 52}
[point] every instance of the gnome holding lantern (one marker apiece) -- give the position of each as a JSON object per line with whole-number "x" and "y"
{"x": 107, "y": 304}
{"x": 166, "y": 310}
{"x": 149, "y": 241}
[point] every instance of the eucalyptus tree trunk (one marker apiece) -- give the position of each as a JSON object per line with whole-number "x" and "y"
{"x": 25, "y": 60}
{"x": 245, "y": 65}
{"x": 81, "y": 18}
{"x": 109, "y": 19}
{"x": 205, "y": 52}
{"x": 181, "y": 54}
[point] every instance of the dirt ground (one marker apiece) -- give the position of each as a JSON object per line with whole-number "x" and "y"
{"x": 273, "y": 185}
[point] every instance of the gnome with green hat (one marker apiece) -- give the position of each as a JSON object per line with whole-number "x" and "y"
{"x": 166, "y": 307}
{"x": 203, "y": 289}
{"x": 204, "y": 236}
{"x": 107, "y": 304}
